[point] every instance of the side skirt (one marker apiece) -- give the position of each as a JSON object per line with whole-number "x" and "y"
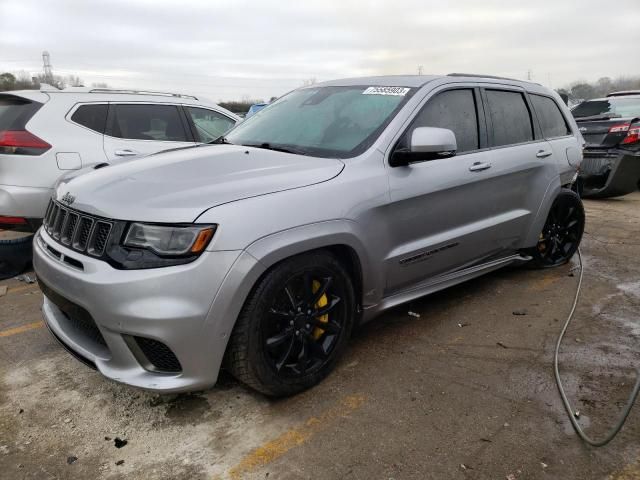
{"x": 440, "y": 283}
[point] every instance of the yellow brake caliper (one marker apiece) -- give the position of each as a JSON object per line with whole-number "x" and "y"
{"x": 542, "y": 245}
{"x": 317, "y": 332}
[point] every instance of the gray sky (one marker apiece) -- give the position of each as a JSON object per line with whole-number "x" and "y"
{"x": 227, "y": 49}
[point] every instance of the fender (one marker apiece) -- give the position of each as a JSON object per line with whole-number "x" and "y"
{"x": 265, "y": 252}
{"x": 532, "y": 237}
{"x": 274, "y": 248}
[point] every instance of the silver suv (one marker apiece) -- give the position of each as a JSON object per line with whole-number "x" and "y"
{"x": 44, "y": 134}
{"x": 340, "y": 200}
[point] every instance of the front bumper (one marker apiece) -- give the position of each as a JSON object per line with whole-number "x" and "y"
{"x": 186, "y": 307}
{"x": 610, "y": 173}
{"x": 25, "y": 202}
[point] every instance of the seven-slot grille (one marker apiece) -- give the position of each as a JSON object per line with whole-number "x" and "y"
{"x": 78, "y": 231}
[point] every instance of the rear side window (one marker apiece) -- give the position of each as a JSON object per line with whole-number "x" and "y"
{"x": 456, "y": 111}
{"x": 93, "y": 117}
{"x": 147, "y": 122}
{"x": 15, "y": 112}
{"x": 510, "y": 117}
{"x": 551, "y": 119}
{"x": 209, "y": 125}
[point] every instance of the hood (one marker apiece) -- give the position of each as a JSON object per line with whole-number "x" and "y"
{"x": 177, "y": 186}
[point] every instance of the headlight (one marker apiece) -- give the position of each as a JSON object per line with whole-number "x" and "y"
{"x": 169, "y": 240}
{"x": 153, "y": 246}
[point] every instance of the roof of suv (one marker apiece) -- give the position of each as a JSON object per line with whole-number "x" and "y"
{"x": 120, "y": 91}
{"x": 421, "y": 80}
{"x": 84, "y": 94}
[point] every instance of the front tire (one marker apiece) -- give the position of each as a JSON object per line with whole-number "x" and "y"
{"x": 562, "y": 232}
{"x": 294, "y": 326}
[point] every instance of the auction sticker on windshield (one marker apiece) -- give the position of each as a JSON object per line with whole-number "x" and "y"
{"x": 398, "y": 91}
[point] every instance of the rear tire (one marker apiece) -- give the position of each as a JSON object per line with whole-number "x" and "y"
{"x": 562, "y": 232}
{"x": 15, "y": 256}
{"x": 294, "y": 326}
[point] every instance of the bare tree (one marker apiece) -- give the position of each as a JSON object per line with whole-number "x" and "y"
{"x": 73, "y": 81}
{"x": 583, "y": 90}
{"x": 7, "y": 81}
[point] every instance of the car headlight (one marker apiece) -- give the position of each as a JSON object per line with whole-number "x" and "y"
{"x": 169, "y": 240}
{"x": 146, "y": 245}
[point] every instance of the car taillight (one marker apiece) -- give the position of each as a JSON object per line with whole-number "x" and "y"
{"x": 633, "y": 134}
{"x": 12, "y": 220}
{"x": 22, "y": 142}
{"x": 621, "y": 127}
{"x": 632, "y": 129}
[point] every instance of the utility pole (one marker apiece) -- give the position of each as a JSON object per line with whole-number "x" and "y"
{"x": 48, "y": 73}
{"x": 529, "y": 75}
{"x": 419, "y": 69}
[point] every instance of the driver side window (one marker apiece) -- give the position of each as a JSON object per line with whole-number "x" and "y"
{"x": 452, "y": 109}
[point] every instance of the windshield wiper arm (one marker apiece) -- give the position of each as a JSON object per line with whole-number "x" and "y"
{"x": 278, "y": 148}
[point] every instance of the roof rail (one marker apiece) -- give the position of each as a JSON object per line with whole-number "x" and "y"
{"x": 141, "y": 92}
{"x": 622, "y": 93}
{"x": 485, "y": 76}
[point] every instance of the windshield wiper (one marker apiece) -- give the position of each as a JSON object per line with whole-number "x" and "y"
{"x": 220, "y": 140}
{"x": 600, "y": 116}
{"x": 277, "y": 148}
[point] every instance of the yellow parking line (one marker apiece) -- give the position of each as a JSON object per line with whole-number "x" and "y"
{"x": 22, "y": 329}
{"x": 274, "y": 449}
{"x": 630, "y": 472}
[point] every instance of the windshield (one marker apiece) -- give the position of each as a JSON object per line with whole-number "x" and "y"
{"x": 611, "y": 107}
{"x": 337, "y": 122}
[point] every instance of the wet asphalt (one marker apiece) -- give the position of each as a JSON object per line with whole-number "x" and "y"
{"x": 464, "y": 390}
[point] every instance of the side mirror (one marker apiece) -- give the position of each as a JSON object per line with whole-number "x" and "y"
{"x": 427, "y": 143}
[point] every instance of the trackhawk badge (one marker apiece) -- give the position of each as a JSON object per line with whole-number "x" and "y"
{"x": 68, "y": 198}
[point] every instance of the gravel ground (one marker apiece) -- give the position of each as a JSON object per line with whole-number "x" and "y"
{"x": 464, "y": 391}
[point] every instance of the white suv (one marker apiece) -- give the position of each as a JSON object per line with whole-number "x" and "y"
{"x": 45, "y": 133}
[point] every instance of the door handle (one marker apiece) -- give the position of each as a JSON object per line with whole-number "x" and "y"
{"x": 544, "y": 153}
{"x": 479, "y": 166}
{"x": 126, "y": 153}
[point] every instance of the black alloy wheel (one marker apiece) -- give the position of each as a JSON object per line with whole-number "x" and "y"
{"x": 562, "y": 232}
{"x": 304, "y": 325}
{"x": 294, "y": 326}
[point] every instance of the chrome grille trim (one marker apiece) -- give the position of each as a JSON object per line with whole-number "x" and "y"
{"x": 69, "y": 228}
{"x": 99, "y": 236}
{"x": 83, "y": 232}
{"x": 78, "y": 231}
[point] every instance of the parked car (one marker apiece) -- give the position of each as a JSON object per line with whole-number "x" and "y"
{"x": 339, "y": 201}
{"x": 255, "y": 108}
{"x": 611, "y": 129}
{"x": 46, "y": 133}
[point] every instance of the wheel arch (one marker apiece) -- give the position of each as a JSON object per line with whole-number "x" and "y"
{"x": 532, "y": 237}
{"x": 337, "y": 237}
